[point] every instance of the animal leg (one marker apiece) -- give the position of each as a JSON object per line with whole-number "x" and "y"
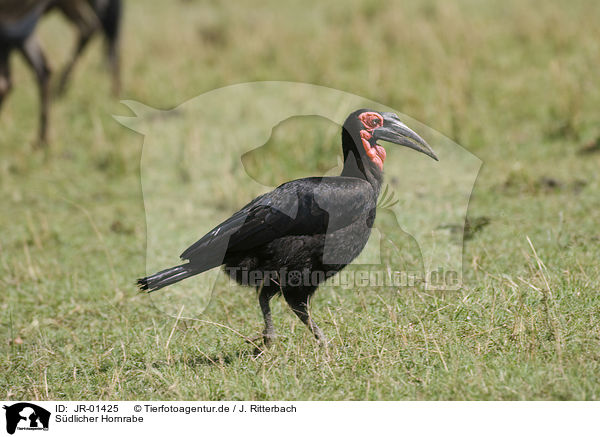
{"x": 110, "y": 13}
{"x": 66, "y": 73}
{"x": 115, "y": 68}
{"x": 36, "y": 59}
{"x": 83, "y": 16}
{"x": 264, "y": 296}
{"x": 300, "y": 307}
{"x": 5, "y": 82}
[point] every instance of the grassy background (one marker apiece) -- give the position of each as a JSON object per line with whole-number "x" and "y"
{"x": 514, "y": 82}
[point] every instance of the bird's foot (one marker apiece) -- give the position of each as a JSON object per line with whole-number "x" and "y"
{"x": 267, "y": 338}
{"x": 318, "y": 333}
{"x": 323, "y": 342}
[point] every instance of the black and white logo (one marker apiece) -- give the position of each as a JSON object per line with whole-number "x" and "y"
{"x": 24, "y": 416}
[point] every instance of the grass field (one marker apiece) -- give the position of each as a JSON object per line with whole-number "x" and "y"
{"x": 515, "y": 83}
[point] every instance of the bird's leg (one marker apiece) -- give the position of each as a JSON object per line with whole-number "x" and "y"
{"x": 264, "y": 296}
{"x": 300, "y": 308}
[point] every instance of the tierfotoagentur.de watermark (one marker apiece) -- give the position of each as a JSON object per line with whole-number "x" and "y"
{"x": 346, "y": 279}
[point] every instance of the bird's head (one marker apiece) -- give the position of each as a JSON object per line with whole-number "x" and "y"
{"x": 366, "y": 127}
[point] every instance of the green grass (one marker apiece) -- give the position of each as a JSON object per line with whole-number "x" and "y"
{"x": 513, "y": 82}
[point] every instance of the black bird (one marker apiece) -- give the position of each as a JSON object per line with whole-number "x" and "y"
{"x": 291, "y": 239}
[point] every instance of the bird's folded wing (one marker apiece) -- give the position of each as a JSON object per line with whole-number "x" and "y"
{"x": 303, "y": 207}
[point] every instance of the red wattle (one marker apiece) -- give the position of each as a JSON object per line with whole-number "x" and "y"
{"x": 375, "y": 153}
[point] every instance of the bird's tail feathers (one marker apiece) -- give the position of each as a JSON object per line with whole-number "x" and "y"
{"x": 166, "y": 277}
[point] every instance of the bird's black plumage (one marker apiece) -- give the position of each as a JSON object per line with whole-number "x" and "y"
{"x": 306, "y": 230}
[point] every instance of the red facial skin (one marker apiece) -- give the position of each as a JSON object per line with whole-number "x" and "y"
{"x": 371, "y": 121}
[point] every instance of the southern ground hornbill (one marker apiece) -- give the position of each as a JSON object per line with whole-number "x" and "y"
{"x": 289, "y": 240}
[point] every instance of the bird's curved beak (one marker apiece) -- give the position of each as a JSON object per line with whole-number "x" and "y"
{"x": 394, "y": 131}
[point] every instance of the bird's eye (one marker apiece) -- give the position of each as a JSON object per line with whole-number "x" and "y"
{"x": 375, "y": 122}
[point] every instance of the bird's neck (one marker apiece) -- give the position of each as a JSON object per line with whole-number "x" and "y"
{"x": 358, "y": 165}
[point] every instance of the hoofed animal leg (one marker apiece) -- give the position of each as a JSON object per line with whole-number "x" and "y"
{"x": 115, "y": 68}
{"x": 110, "y": 15}
{"x": 83, "y": 16}
{"x": 35, "y": 57}
{"x": 66, "y": 73}
{"x": 5, "y": 82}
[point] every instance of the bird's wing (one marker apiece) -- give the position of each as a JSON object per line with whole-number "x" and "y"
{"x": 304, "y": 207}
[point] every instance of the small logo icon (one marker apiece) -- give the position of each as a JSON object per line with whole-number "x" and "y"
{"x": 26, "y": 416}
